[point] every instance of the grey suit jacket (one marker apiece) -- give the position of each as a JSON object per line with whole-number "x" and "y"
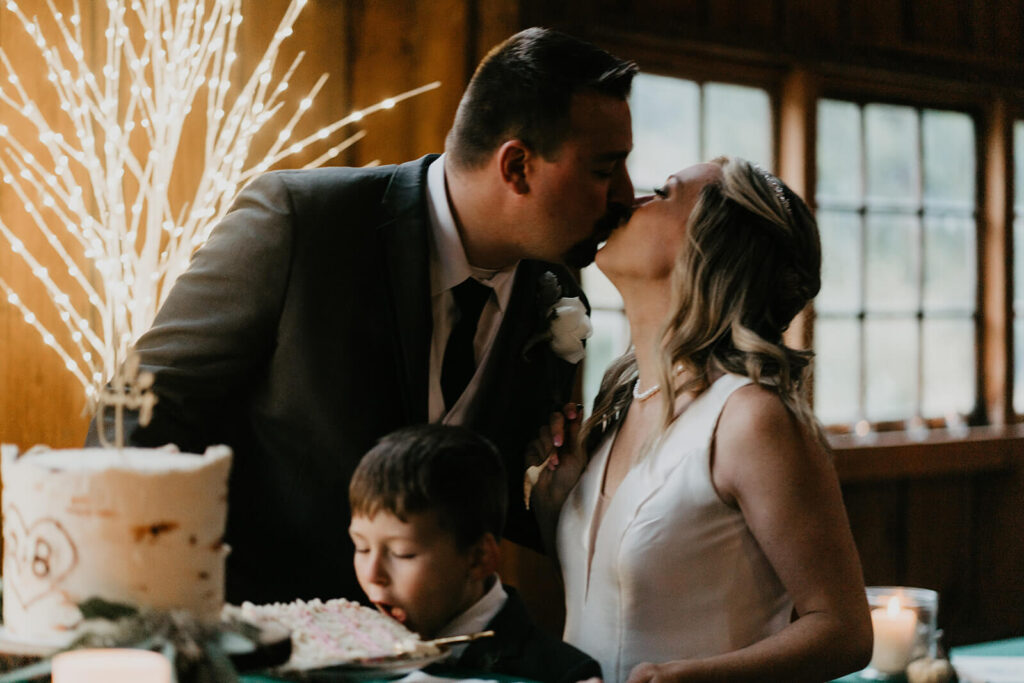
{"x": 299, "y": 335}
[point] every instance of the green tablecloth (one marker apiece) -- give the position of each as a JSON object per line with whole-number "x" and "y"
{"x": 484, "y": 676}
{"x": 1014, "y": 647}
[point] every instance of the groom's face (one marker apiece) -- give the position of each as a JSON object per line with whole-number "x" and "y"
{"x": 583, "y": 190}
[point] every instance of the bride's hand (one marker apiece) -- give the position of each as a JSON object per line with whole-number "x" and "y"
{"x": 555, "y": 462}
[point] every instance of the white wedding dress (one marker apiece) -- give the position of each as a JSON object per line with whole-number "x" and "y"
{"x": 674, "y": 572}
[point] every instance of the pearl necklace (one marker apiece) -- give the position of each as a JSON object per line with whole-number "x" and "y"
{"x": 646, "y": 393}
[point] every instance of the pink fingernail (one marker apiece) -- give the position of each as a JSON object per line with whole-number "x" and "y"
{"x": 558, "y": 440}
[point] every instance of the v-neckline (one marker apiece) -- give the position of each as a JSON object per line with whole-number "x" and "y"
{"x": 607, "y": 446}
{"x": 596, "y": 521}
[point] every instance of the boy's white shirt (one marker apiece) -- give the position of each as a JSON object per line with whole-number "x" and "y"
{"x": 477, "y": 617}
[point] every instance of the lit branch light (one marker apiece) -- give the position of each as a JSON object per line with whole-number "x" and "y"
{"x": 98, "y": 193}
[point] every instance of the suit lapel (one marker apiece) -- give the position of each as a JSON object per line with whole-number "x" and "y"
{"x": 511, "y": 626}
{"x": 407, "y": 257}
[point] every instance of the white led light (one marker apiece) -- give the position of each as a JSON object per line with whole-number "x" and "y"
{"x": 163, "y": 61}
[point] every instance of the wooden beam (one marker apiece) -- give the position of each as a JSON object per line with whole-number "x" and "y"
{"x": 797, "y": 165}
{"x": 996, "y": 261}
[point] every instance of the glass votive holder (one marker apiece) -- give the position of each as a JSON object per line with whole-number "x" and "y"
{"x": 111, "y": 666}
{"x": 905, "y": 627}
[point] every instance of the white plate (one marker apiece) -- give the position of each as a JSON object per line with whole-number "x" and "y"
{"x": 369, "y": 667}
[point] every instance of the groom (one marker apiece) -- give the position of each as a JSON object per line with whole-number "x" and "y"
{"x": 332, "y": 306}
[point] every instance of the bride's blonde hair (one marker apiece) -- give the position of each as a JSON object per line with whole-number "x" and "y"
{"x": 750, "y": 262}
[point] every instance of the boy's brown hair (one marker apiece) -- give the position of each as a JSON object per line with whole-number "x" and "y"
{"x": 443, "y": 468}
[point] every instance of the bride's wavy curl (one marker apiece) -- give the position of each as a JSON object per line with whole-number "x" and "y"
{"x": 751, "y": 261}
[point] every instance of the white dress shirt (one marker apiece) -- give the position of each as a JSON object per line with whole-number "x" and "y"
{"x": 476, "y": 618}
{"x": 449, "y": 267}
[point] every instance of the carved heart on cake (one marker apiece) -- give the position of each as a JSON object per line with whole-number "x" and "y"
{"x": 36, "y": 558}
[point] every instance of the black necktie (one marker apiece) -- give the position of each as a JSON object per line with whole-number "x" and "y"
{"x": 459, "y": 362}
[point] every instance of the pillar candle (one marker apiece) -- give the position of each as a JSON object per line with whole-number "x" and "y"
{"x": 894, "y": 629}
{"x": 111, "y": 666}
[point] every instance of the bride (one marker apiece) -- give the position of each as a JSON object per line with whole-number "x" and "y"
{"x": 696, "y": 514}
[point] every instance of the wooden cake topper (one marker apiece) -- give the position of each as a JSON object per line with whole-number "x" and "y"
{"x": 128, "y": 388}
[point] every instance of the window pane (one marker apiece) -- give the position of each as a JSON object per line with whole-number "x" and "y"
{"x": 840, "y": 268}
{"x": 1018, "y": 225}
{"x": 1018, "y": 156}
{"x": 737, "y": 122}
{"x": 609, "y": 341}
{"x": 892, "y": 253}
{"x": 666, "y": 128}
{"x": 1018, "y": 371}
{"x": 891, "y": 347}
{"x": 949, "y": 176}
{"x": 1018, "y": 267}
{"x": 839, "y": 174}
{"x": 892, "y": 154}
{"x": 949, "y": 273}
{"x": 836, "y": 369}
{"x": 948, "y": 367}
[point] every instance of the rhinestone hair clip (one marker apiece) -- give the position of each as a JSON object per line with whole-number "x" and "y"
{"x": 776, "y": 186}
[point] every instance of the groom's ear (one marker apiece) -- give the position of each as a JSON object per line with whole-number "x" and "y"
{"x": 513, "y": 156}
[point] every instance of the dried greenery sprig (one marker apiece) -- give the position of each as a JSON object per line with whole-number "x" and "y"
{"x": 199, "y": 651}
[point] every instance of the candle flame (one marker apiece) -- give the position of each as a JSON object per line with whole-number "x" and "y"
{"x": 894, "y": 606}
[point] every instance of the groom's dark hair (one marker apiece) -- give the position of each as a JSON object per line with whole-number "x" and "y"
{"x": 523, "y": 89}
{"x": 445, "y": 469}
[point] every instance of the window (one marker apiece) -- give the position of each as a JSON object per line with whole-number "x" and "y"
{"x": 1018, "y": 267}
{"x": 676, "y": 123}
{"x": 895, "y": 330}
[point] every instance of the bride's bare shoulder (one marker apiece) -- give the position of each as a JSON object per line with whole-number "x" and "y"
{"x": 758, "y": 439}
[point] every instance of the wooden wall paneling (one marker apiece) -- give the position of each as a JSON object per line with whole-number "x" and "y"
{"x": 877, "y": 23}
{"x": 443, "y": 36}
{"x": 496, "y": 20}
{"x": 1006, "y": 24}
{"x": 999, "y": 553}
{"x": 877, "y": 518}
{"x": 939, "y": 545}
{"x": 742, "y": 20}
{"x": 40, "y": 401}
{"x": 810, "y": 24}
{"x": 943, "y": 25}
{"x": 398, "y": 45}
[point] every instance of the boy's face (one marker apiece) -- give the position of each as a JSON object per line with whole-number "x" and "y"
{"x": 414, "y": 571}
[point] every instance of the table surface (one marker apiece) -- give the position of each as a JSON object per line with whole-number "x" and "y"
{"x": 1013, "y": 647}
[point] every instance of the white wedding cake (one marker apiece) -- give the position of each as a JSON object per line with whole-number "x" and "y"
{"x": 136, "y": 526}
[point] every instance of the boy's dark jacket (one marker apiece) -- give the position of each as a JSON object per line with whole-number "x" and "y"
{"x": 520, "y": 648}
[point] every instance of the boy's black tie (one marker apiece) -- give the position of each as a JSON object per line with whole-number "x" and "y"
{"x": 459, "y": 364}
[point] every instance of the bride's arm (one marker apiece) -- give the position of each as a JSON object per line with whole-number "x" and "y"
{"x": 783, "y": 481}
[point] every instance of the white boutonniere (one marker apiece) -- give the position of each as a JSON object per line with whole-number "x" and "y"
{"x": 570, "y": 325}
{"x": 564, "y": 321}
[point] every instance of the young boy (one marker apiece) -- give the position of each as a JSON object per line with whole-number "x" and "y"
{"x": 428, "y": 506}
